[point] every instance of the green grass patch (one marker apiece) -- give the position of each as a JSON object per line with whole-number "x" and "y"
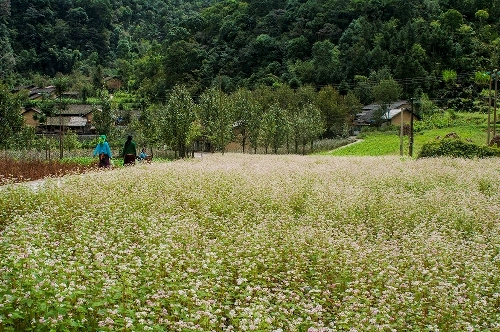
{"x": 372, "y": 144}
{"x": 84, "y": 161}
{"x": 468, "y": 126}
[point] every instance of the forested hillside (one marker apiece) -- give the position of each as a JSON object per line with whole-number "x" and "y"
{"x": 152, "y": 45}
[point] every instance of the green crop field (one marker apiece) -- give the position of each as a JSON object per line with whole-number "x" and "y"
{"x": 256, "y": 243}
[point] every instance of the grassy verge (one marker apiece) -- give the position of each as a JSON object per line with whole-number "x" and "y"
{"x": 377, "y": 143}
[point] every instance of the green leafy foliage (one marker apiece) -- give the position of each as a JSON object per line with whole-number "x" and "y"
{"x": 103, "y": 117}
{"x": 154, "y": 45}
{"x": 456, "y": 147}
{"x": 217, "y": 117}
{"x": 11, "y": 120}
{"x": 177, "y": 118}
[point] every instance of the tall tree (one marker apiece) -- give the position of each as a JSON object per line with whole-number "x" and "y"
{"x": 148, "y": 127}
{"x": 61, "y": 85}
{"x": 327, "y": 65}
{"x": 334, "y": 111}
{"x": 314, "y": 125}
{"x": 273, "y": 129}
{"x": 386, "y": 92}
{"x": 247, "y": 113}
{"x": 11, "y": 120}
{"x": 217, "y": 117}
{"x": 7, "y": 60}
{"x": 177, "y": 119}
{"x": 103, "y": 118}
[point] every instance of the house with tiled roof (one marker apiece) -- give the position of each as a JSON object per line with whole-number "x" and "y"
{"x": 77, "y": 117}
{"x": 39, "y": 93}
{"x": 396, "y": 110}
{"x": 35, "y": 92}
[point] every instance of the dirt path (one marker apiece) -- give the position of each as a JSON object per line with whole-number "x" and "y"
{"x": 34, "y": 185}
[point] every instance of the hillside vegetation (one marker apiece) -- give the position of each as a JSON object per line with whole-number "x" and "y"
{"x": 153, "y": 45}
{"x": 285, "y": 73}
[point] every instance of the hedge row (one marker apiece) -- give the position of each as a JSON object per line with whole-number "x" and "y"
{"x": 457, "y": 147}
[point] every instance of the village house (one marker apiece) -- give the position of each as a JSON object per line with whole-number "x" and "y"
{"x": 392, "y": 116}
{"x": 31, "y": 116}
{"x": 71, "y": 95}
{"x": 113, "y": 83}
{"x": 35, "y": 92}
{"x": 77, "y": 117}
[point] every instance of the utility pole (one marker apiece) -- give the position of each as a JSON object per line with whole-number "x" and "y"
{"x": 495, "y": 103}
{"x": 489, "y": 111}
{"x": 410, "y": 147}
{"x": 401, "y": 134}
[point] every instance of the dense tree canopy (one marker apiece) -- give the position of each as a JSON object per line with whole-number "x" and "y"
{"x": 156, "y": 44}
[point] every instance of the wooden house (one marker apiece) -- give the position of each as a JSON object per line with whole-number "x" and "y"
{"x": 35, "y": 92}
{"x": 112, "y": 83}
{"x": 77, "y": 117}
{"x": 40, "y": 93}
{"x": 393, "y": 115}
{"x": 31, "y": 116}
{"x": 71, "y": 95}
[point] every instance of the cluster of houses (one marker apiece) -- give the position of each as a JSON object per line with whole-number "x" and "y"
{"x": 78, "y": 117}
{"x": 75, "y": 117}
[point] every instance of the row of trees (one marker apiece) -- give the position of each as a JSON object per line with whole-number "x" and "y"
{"x": 269, "y": 118}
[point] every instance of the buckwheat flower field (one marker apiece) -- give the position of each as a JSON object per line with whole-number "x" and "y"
{"x": 256, "y": 243}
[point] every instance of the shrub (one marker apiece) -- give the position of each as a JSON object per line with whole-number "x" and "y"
{"x": 454, "y": 146}
{"x": 495, "y": 141}
{"x": 331, "y": 144}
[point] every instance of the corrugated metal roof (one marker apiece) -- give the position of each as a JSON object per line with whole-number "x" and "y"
{"x": 367, "y": 112}
{"x": 392, "y": 113}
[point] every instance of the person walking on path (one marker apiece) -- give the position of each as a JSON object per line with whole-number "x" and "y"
{"x": 129, "y": 152}
{"x": 103, "y": 151}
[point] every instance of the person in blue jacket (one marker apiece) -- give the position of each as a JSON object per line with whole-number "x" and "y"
{"x": 143, "y": 155}
{"x": 103, "y": 151}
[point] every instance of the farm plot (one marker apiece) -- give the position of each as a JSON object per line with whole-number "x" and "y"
{"x": 256, "y": 243}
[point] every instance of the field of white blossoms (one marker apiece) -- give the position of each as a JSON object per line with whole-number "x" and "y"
{"x": 256, "y": 243}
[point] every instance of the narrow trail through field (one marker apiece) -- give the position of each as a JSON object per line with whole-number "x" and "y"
{"x": 358, "y": 140}
{"x": 34, "y": 185}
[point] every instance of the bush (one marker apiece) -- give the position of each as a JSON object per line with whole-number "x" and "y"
{"x": 331, "y": 144}
{"x": 454, "y": 146}
{"x": 495, "y": 141}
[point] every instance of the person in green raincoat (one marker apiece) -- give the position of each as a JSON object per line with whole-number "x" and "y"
{"x": 129, "y": 152}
